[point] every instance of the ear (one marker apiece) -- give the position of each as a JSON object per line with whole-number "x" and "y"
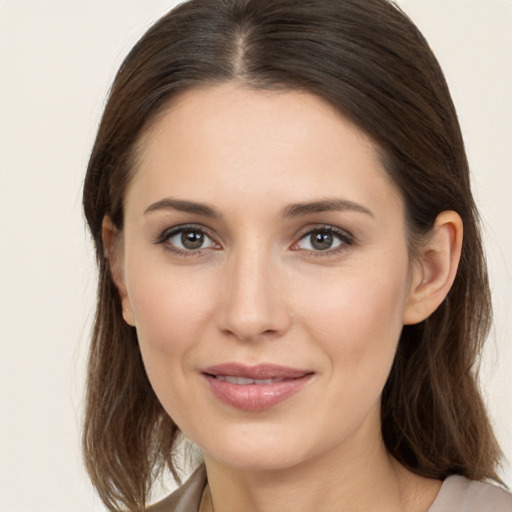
{"x": 113, "y": 253}
{"x": 435, "y": 269}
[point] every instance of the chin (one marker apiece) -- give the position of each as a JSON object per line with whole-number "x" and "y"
{"x": 251, "y": 447}
{"x": 256, "y": 460}
{"x": 262, "y": 448}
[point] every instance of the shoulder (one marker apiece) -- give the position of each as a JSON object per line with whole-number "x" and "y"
{"x": 458, "y": 494}
{"x": 185, "y": 499}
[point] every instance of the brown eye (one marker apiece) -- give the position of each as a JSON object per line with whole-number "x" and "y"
{"x": 323, "y": 240}
{"x": 192, "y": 239}
{"x": 187, "y": 239}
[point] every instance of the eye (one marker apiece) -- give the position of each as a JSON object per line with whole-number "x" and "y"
{"x": 323, "y": 240}
{"x": 187, "y": 239}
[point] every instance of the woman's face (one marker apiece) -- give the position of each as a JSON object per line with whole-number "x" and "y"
{"x": 264, "y": 264}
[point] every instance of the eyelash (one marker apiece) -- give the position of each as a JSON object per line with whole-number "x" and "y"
{"x": 345, "y": 240}
{"x": 166, "y": 235}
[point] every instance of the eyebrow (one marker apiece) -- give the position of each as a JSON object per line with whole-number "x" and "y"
{"x": 335, "y": 205}
{"x": 293, "y": 210}
{"x": 183, "y": 206}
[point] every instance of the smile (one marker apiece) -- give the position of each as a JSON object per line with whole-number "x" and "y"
{"x": 243, "y": 381}
{"x": 255, "y": 388}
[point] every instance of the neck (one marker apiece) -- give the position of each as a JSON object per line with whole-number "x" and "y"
{"x": 343, "y": 479}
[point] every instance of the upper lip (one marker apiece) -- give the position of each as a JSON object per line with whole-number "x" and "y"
{"x": 259, "y": 371}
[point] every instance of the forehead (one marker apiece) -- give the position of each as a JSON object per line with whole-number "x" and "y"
{"x": 229, "y": 142}
{"x": 228, "y": 111}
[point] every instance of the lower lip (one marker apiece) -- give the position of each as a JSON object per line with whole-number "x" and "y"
{"x": 256, "y": 397}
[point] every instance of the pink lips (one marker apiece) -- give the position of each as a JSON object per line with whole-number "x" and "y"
{"x": 255, "y": 388}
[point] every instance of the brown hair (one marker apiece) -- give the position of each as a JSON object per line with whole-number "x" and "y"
{"x": 368, "y": 60}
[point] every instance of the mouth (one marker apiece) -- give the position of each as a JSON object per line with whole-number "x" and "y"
{"x": 255, "y": 388}
{"x": 243, "y": 381}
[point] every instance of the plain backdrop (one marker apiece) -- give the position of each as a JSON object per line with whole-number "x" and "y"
{"x": 57, "y": 60}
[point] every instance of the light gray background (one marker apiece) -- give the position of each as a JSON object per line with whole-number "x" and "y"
{"x": 57, "y": 59}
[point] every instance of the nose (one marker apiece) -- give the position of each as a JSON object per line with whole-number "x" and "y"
{"x": 253, "y": 302}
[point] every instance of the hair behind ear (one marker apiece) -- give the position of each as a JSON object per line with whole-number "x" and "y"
{"x": 434, "y": 420}
{"x": 435, "y": 267}
{"x": 112, "y": 243}
{"x": 124, "y": 424}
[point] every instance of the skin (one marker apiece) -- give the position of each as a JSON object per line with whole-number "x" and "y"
{"x": 259, "y": 291}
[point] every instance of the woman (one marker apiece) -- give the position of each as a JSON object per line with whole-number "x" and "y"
{"x": 291, "y": 271}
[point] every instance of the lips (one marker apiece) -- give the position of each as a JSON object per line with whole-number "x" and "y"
{"x": 255, "y": 388}
{"x": 243, "y": 381}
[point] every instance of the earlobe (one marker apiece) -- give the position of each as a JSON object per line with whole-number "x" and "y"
{"x": 111, "y": 237}
{"x": 435, "y": 270}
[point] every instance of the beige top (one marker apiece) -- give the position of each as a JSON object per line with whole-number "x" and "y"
{"x": 457, "y": 494}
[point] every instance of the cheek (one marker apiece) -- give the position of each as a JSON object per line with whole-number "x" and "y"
{"x": 356, "y": 322}
{"x": 170, "y": 311}
{"x": 168, "y": 302}
{"x": 358, "y": 317}
{"x": 163, "y": 316}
